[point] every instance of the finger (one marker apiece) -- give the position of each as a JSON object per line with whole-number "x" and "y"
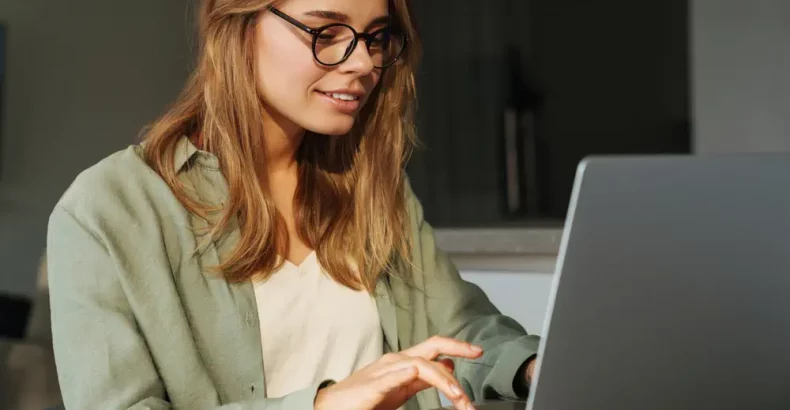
{"x": 447, "y": 363}
{"x": 454, "y": 391}
{"x": 395, "y": 379}
{"x": 419, "y": 385}
{"x": 437, "y": 346}
{"x": 403, "y": 362}
{"x": 396, "y": 357}
{"x": 434, "y": 374}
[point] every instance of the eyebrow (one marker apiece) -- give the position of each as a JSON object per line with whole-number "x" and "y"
{"x": 343, "y": 18}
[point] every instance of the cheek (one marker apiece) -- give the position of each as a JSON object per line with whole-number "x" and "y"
{"x": 285, "y": 68}
{"x": 375, "y": 78}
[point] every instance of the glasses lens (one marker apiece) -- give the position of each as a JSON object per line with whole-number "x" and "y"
{"x": 333, "y": 44}
{"x": 385, "y": 47}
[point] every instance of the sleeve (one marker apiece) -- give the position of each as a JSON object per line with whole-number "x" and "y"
{"x": 461, "y": 310}
{"x": 102, "y": 360}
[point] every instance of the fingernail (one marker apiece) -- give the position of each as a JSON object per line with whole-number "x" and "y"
{"x": 455, "y": 390}
{"x": 476, "y": 349}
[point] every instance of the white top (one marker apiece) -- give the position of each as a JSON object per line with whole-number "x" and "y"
{"x": 314, "y": 329}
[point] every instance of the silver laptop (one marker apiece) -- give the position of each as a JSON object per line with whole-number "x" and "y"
{"x": 672, "y": 288}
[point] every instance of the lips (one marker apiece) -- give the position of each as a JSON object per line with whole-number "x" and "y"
{"x": 342, "y": 96}
{"x": 344, "y": 101}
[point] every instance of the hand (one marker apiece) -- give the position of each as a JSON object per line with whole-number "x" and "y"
{"x": 387, "y": 383}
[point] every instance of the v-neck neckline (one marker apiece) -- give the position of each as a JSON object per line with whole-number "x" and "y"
{"x": 310, "y": 256}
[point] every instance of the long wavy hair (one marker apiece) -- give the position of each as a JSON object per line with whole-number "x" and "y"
{"x": 349, "y": 204}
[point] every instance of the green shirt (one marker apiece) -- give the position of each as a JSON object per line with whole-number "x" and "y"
{"x": 139, "y": 323}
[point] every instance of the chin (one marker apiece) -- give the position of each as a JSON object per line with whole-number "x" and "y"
{"x": 333, "y": 126}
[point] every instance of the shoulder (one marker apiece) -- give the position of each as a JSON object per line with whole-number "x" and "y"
{"x": 114, "y": 191}
{"x": 413, "y": 205}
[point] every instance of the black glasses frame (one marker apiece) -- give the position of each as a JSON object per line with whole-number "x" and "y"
{"x": 367, "y": 37}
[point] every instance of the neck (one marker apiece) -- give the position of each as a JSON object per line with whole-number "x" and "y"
{"x": 282, "y": 139}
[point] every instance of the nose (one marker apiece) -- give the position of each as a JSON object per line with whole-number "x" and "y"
{"x": 359, "y": 61}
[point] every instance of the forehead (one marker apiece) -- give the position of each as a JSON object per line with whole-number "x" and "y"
{"x": 359, "y": 11}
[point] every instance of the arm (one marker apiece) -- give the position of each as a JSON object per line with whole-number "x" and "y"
{"x": 102, "y": 359}
{"x": 460, "y": 310}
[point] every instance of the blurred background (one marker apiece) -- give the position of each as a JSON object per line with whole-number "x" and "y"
{"x": 513, "y": 94}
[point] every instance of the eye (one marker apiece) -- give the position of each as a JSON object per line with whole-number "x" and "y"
{"x": 380, "y": 38}
{"x": 335, "y": 34}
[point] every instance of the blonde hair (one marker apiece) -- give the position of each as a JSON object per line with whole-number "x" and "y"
{"x": 350, "y": 202}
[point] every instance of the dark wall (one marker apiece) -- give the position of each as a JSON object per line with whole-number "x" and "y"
{"x": 741, "y": 68}
{"x": 83, "y": 77}
{"x": 615, "y": 78}
{"x": 609, "y": 76}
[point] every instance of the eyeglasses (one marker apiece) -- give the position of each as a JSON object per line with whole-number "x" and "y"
{"x": 334, "y": 43}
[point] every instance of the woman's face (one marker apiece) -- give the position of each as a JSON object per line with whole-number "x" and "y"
{"x": 299, "y": 93}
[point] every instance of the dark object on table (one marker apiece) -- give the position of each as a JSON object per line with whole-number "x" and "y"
{"x": 14, "y": 312}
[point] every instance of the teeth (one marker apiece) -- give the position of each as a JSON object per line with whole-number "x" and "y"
{"x": 344, "y": 97}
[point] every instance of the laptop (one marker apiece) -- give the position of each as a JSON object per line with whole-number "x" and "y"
{"x": 672, "y": 288}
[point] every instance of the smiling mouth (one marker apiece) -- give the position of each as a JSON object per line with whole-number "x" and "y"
{"x": 342, "y": 96}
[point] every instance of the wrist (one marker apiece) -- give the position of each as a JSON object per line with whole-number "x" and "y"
{"x": 320, "y": 394}
{"x": 522, "y": 379}
{"x": 530, "y": 371}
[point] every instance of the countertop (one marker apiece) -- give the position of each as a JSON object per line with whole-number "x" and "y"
{"x": 511, "y": 241}
{"x": 520, "y": 249}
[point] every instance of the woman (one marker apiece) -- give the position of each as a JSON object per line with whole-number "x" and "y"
{"x": 262, "y": 249}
